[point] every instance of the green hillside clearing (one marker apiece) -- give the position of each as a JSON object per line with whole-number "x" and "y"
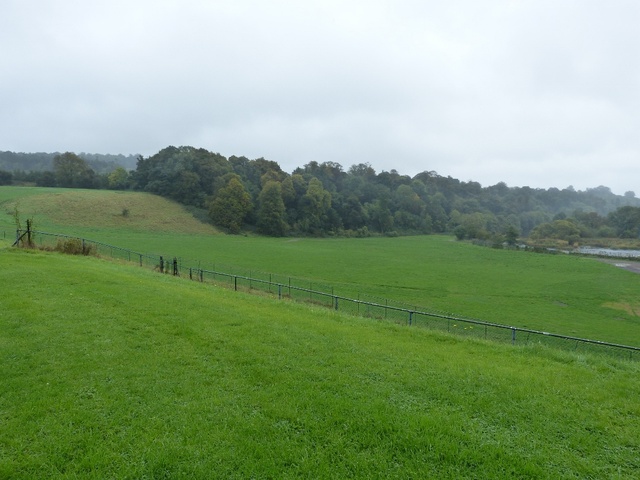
{"x": 97, "y": 210}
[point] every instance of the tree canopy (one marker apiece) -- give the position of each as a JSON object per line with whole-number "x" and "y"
{"x": 231, "y": 205}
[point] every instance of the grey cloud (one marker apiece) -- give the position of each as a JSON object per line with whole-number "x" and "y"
{"x": 542, "y": 93}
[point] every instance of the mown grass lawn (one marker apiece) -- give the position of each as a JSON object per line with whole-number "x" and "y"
{"x": 112, "y": 371}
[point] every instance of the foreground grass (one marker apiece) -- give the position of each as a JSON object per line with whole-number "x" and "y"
{"x": 116, "y": 372}
{"x": 557, "y": 293}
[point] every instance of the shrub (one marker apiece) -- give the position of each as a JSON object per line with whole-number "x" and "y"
{"x": 74, "y": 246}
{"x": 363, "y": 232}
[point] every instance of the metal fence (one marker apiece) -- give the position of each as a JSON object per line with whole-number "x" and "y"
{"x": 304, "y": 290}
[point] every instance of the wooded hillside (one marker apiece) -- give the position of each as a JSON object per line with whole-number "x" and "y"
{"x": 325, "y": 199}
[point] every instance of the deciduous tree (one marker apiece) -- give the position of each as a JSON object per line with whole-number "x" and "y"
{"x": 231, "y": 206}
{"x": 271, "y": 210}
{"x": 5, "y": 178}
{"x": 315, "y": 205}
{"x": 626, "y": 221}
{"x": 118, "y": 179}
{"x": 72, "y": 171}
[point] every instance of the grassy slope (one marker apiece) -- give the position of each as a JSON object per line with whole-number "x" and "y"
{"x": 70, "y": 210}
{"x": 114, "y": 371}
{"x": 567, "y": 295}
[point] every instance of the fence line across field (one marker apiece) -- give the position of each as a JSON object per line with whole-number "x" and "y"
{"x": 321, "y": 294}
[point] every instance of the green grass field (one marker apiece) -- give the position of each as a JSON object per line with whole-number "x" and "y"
{"x": 114, "y": 371}
{"x": 89, "y": 211}
{"x": 557, "y": 293}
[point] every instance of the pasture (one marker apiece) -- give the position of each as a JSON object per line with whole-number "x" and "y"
{"x": 113, "y": 371}
{"x": 563, "y": 294}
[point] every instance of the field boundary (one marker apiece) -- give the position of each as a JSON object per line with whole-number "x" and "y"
{"x": 305, "y": 290}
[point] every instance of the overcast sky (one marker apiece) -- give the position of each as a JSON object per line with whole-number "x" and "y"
{"x": 544, "y": 93}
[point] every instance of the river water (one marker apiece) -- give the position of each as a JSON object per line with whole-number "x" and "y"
{"x": 608, "y": 252}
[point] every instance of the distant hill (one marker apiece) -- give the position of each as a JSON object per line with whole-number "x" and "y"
{"x": 40, "y": 162}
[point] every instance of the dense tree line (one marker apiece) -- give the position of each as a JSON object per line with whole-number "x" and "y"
{"x": 66, "y": 170}
{"x": 623, "y": 222}
{"x": 325, "y": 199}
{"x": 24, "y": 164}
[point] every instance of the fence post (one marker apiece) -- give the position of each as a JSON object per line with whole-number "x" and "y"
{"x": 410, "y": 318}
{"x": 190, "y": 273}
{"x": 161, "y": 264}
{"x": 279, "y": 292}
{"x": 175, "y": 266}
{"x": 235, "y": 283}
{"x": 335, "y": 299}
{"x": 140, "y": 259}
{"x": 201, "y": 276}
{"x": 513, "y": 335}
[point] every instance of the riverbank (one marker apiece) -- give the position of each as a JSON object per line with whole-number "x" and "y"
{"x": 631, "y": 265}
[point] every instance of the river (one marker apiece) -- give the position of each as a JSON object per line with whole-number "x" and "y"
{"x": 608, "y": 252}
